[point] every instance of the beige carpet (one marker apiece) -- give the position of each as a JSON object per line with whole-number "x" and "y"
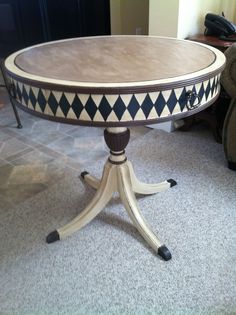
{"x": 107, "y": 268}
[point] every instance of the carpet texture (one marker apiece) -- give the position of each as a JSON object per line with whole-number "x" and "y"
{"x": 107, "y": 268}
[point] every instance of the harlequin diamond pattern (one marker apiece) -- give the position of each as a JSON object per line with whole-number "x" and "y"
{"x": 126, "y": 107}
{"x": 25, "y": 96}
{"x": 41, "y": 99}
{"x": 52, "y": 103}
{"x": 104, "y": 108}
{"x": 77, "y": 106}
{"x": 133, "y": 107}
{"x": 18, "y": 92}
{"x": 159, "y": 104}
{"x": 119, "y": 108}
{"x": 91, "y": 107}
{"x": 147, "y": 106}
{"x": 182, "y": 99}
{"x": 201, "y": 91}
{"x": 32, "y": 97}
{"x": 64, "y": 104}
{"x": 172, "y": 101}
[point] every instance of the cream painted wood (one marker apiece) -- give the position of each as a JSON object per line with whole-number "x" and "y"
{"x": 131, "y": 205}
{"x": 119, "y": 178}
{"x": 116, "y": 129}
{"x": 92, "y": 181}
{"x": 143, "y": 188}
{"x": 137, "y": 186}
{"x": 117, "y": 158}
{"x": 103, "y": 195}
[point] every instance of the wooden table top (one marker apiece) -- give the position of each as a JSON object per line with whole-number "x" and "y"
{"x": 116, "y": 80}
{"x": 114, "y": 61}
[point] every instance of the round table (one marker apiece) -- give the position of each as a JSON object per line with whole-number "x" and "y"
{"x": 115, "y": 82}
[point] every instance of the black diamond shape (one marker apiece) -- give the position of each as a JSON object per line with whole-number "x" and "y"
{"x": 18, "y": 92}
{"x": 119, "y": 108}
{"x": 104, "y": 108}
{"x": 172, "y": 101}
{"x": 183, "y": 99}
{"x": 25, "y": 95}
{"x": 216, "y": 83}
{"x": 41, "y": 100}
{"x": 77, "y": 106}
{"x": 91, "y": 107}
{"x": 32, "y": 98}
{"x": 53, "y": 104}
{"x": 208, "y": 89}
{"x": 64, "y": 104}
{"x": 147, "y": 105}
{"x": 213, "y": 87}
{"x": 201, "y": 92}
{"x": 133, "y": 107}
{"x": 160, "y": 104}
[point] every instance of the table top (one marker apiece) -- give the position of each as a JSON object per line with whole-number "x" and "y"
{"x": 119, "y": 68}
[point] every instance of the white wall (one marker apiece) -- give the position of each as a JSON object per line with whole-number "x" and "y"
{"x": 129, "y": 16}
{"x": 184, "y": 18}
{"x": 229, "y": 8}
{"x": 163, "y": 21}
{"x": 115, "y": 12}
{"x": 163, "y": 17}
{"x": 234, "y": 19}
{"x": 174, "y": 18}
{"x": 134, "y": 16}
{"x": 192, "y": 14}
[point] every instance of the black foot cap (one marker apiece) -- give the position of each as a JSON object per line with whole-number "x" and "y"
{"x": 19, "y": 126}
{"x": 172, "y": 182}
{"x": 232, "y": 165}
{"x": 52, "y": 237}
{"x": 83, "y": 174}
{"x": 164, "y": 252}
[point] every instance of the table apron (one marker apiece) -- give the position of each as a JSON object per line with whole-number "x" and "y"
{"x": 120, "y": 109}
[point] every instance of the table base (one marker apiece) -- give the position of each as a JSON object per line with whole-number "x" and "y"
{"x": 118, "y": 176}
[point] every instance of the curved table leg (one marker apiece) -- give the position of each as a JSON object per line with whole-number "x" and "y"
{"x": 118, "y": 175}
{"x": 101, "y": 198}
{"x": 148, "y": 189}
{"x": 90, "y": 180}
{"x": 131, "y": 205}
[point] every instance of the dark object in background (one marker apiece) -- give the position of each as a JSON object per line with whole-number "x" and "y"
{"x": 217, "y": 25}
{"x": 228, "y": 81}
{"x": 27, "y": 22}
{"x": 221, "y": 108}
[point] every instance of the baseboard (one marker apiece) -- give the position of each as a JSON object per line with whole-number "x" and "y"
{"x": 166, "y": 126}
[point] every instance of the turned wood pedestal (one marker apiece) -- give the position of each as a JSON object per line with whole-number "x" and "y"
{"x": 118, "y": 176}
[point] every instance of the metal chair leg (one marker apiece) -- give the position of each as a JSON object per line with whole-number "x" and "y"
{"x": 11, "y": 94}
